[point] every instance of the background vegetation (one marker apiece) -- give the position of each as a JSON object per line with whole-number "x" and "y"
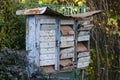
{"x": 105, "y": 42}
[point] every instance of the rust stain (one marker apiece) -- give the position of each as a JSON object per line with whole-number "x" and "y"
{"x": 34, "y": 11}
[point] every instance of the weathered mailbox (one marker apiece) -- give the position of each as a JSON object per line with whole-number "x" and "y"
{"x": 56, "y": 42}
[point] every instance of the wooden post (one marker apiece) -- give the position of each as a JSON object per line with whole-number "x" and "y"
{"x": 57, "y": 62}
{"x": 75, "y": 41}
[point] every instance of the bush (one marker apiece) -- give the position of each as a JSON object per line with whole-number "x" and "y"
{"x": 12, "y": 27}
{"x": 12, "y": 65}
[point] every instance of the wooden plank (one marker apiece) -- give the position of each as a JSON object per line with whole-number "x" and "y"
{"x": 84, "y": 28}
{"x": 48, "y": 69}
{"x": 47, "y": 45}
{"x": 57, "y": 60}
{"x": 47, "y": 21}
{"x": 67, "y": 55}
{"x": 81, "y": 47}
{"x": 83, "y": 65}
{"x": 37, "y": 46}
{"x": 67, "y": 22}
{"x": 83, "y": 54}
{"x": 67, "y": 50}
{"x": 66, "y": 30}
{"x": 47, "y": 50}
{"x": 48, "y": 27}
{"x": 47, "y": 62}
{"x": 65, "y": 62}
{"x": 47, "y": 33}
{"x": 86, "y": 14}
{"x": 84, "y": 59}
{"x": 27, "y": 33}
{"x": 47, "y": 57}
{"x": 66, "y": 44}
{"x": 31, "y": 39}
{"x": 82, "y": 33}
{"x": 47, "y": 39}
{"x": 88, "y": 25}
{"x": 86, "y": 21}
{"x": 84, "y": 38}
{"x": 67, "y": 38}
{"x": 67, "y": 68}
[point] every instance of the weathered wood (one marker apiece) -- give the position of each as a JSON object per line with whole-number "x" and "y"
{"x": 66, "y": 30}
{"x": 57, "y": 60}
{"x": 49, "y": 69}
{"x": 27, "y": 33}
{"x": 87, "y": 14}
{"x": 47, "y": 33}
{"x": 47, "y": 45}
{"x": 83, "y": 65}
{"x": 88, "y": 25}
{"x": 47, "y": 57}
{"x": 66, "y": 44}
{"x": 30, "y": 38}
{"x": 47, "y": 39}
{"x": 47, "y": 21}
{"x": 67, "y": 50}
{"x": 37, "y": 46}
{"x": 67, "y": 22}
{"x": 84, "y": 59}
{"x": 84, "y": 28}
{"x": 67, "y": 55}
{"x": 84, "y": 38}
{"x": 83, "y": 33}
{"x": 65, "y": 62}
{"x": 47, "y": 27}
{"x": 67, "y": 38}
{"x": 81, "y": 47}
{"x": 47, "y": 50}
{"x": 86, "y": 21}
{"x": 83, "y": 54}
{"x": 47, "y": 62}
{"x": 67, "y": 68}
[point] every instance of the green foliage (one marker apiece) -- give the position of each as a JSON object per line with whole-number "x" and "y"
{"x": 12, "y": 65}
{"x": 12, "y": 27}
